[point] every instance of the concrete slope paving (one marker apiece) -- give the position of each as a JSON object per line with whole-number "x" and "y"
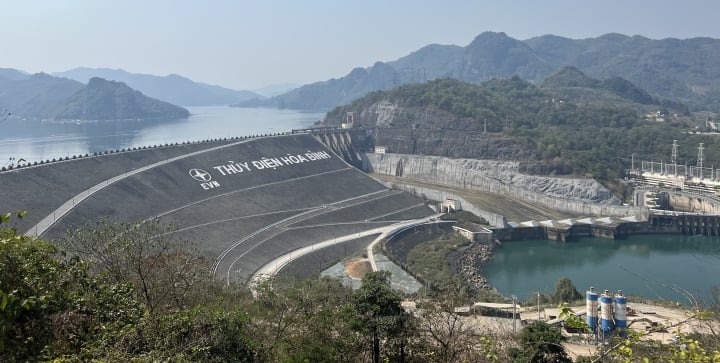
{"x": 213, "y": 181}
{"x": 242, "y": 257}
{"x": 245, "y": 202}
{"x": 44, "y": 188}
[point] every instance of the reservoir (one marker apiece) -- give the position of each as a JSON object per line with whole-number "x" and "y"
{"x": 661, "y": 267}
{"x": 35, "y": 140}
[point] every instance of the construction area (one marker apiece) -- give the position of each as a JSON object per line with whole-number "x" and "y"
{"x": 650, "y": 322}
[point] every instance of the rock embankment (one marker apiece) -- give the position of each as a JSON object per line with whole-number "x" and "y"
{"x": 471, "y": 262}
{"x": 488, "y": 174}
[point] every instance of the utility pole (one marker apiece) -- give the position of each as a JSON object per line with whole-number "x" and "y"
{"x": 514, "y": 299}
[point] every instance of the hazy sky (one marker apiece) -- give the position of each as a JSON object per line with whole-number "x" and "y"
{"x": 250, "y": 44}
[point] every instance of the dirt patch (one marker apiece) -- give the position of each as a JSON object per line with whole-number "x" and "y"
{"x": 356, "y": 268}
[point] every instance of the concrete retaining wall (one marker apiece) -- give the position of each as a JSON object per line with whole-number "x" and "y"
{"x": 693, "y": 203}
{"x": 462, "y": 174}
{"x": 493, "y": 219}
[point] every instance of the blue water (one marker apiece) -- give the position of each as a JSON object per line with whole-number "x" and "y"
{"x": 35, "y": 140}
{"x": 653, "y": 266}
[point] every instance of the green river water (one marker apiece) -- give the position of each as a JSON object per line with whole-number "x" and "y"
{"x": 652, "y": 266}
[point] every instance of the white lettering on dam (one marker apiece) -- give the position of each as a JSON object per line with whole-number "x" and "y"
{"x": 264, "y": 163}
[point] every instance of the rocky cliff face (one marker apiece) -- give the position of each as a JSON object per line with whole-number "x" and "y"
{"x": 489, "y": 175}
{"x": 430, "y": 131}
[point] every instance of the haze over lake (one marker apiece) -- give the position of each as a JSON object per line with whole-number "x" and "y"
{"x": 35, "y": 140}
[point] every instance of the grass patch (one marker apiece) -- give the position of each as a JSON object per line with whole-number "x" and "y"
{"x": 464, "y": 219}
{"x": 430, "y": 261}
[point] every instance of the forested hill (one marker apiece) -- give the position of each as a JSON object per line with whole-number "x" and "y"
{"x": 109, "y": 100}
{"x": 37, "y": 96}
{"x": 42, "y": 96}
{"x": 686, "y": 70}
{"x": 573, "y": 84}
{"x": 544, "y": 127}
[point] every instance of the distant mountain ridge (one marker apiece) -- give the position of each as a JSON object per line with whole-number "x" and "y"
{"x": 13, "y": 74}
{"x": 43, "y": 96}
{"x": 322, "y": 95}
{"x": 110, "y": 100}
{"x": 572, "y": 124}
{"x": 173, "y": 88}
{"x": 683, "y": 70}
{"x": 276, "y": 89}
{"x": 39, "y": 95}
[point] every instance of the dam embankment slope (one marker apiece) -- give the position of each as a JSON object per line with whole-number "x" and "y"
{"x": 243, "y": 201}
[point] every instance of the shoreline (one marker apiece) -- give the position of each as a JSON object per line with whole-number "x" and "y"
{"x": 471, "y": 265}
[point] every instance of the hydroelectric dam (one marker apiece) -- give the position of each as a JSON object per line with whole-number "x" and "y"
{"x": 245, "y": 201}
{"x": 250, "y": 202}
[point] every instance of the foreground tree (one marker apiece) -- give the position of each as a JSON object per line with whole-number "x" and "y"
{"x": 540, "y": 343}
{"x": 165, "y": 271}
{"x": 377, "y": 314}
{"x": 52, "y": 307}
{"x": 448, "y": 338}
{"x": 304, "y": 321}
{"x": 565, "y": 291}
{"x": 212, "y": 332}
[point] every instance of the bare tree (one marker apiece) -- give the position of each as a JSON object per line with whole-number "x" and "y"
{"x": 164, "y": 270}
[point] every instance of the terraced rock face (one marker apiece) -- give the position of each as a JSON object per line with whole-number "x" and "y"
{"x": 245, "y": 202}
{"x": 470, "y": 173}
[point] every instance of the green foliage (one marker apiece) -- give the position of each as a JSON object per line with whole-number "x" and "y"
{"x": 565, "y": 291}
{"x": 683, "y": 349}
{"x": 376, "y": 306}
{"x": 203, "y": 333}
{"x": 5, "y": 218}
{"x": 540, "y": 343}
{"x": 572, "y": 320}
{"x": 305, "y": 321}
{"x": 165, "y": 271}
{"x": 464, "y": 219}
{"x": 55, "y": 307}
{"x": 50, "y": 306}
{"x": 376, "y": 312}
{"x": 579, "y": 137}
{"x": 430, "y": 261}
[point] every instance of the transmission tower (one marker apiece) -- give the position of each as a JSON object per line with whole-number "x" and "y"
{"x": 674, "y": 156}
{"x": 701, "y": 157}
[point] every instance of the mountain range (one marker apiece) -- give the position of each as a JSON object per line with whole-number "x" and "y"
{"x": 173, "y": 88}
{"x": 43, "y": 96}
{"x": 683, "y": 70}
{"x": 101, "y": 99}
{"x": 570, "y": 124}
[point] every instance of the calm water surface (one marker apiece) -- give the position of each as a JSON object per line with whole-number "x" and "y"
{"x": 35, "y": 140}
{"x": 653, "y": 266}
